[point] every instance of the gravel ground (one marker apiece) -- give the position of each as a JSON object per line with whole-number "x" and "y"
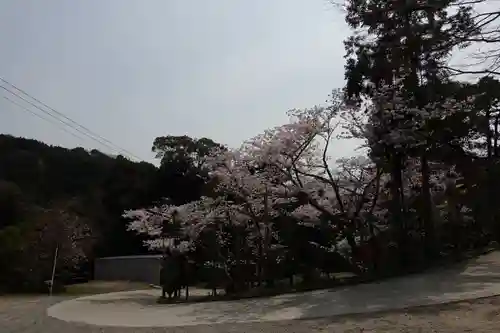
{"x": 27, "y": 315}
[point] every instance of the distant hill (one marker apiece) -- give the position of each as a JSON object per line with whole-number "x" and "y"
{"x": 51, "y": 195}
{"x": 104, "y": 186}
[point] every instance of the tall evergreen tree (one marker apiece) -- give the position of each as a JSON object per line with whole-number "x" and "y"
{"x": 400, "y": 48}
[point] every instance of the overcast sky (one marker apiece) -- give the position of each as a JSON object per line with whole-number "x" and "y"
{"x": 134, "y": 70}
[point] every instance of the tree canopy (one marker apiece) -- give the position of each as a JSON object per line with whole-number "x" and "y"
{"x": 82, "y": 189}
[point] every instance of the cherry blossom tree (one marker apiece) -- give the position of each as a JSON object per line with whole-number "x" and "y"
{"x": 297, "y": 155}
{"x": 289, "y": 164}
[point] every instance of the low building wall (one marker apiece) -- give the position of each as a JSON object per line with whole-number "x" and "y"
{"x": 144, "y": 268}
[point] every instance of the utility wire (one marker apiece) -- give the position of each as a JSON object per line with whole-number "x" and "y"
{"x": 70, "y": 122}
{"x": 42, "y": 117}
{"x": 58, "y": 119}
{"x": 69, "y": 119}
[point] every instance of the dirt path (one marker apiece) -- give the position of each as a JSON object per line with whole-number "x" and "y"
{"x": 27, "y": 315}
{"x": 478, "y": 316}
{"x": 478, "y": 278}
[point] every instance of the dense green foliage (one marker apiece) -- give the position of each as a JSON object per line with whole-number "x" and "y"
{"x": 80, "y": 189}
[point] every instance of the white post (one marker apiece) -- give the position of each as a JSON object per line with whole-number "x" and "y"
{"x": 53, "y": 270}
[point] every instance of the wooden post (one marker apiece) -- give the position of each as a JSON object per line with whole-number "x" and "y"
{"x": 53, "y": 271}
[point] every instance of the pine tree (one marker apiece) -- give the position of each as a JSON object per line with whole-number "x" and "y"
{"x": 402, "y": 47}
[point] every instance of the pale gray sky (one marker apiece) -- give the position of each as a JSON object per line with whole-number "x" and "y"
{"x": 134, "y": 70}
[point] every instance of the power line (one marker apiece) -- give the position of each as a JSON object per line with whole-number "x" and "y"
{"x": 68, "y": 118}
{"x": 93, "y": 135}
{"x": 58, "y": 119}
{"x": 42, "y": 117}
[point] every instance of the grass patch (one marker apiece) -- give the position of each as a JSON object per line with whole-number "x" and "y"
{"x": 102, "y": 287}
{"x": 260, "y": 292}
{"x": 339, "y": 280}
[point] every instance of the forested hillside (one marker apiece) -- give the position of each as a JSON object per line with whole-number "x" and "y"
{"x": 74, "y": 198}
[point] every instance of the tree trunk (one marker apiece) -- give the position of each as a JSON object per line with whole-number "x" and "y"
{"x": 495, "y": 138}
{"x": 374, "y": 248}
{"x": 397, "y": 209}
{"x": 489, "y": 134}
{"x": 430, "y": 243}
